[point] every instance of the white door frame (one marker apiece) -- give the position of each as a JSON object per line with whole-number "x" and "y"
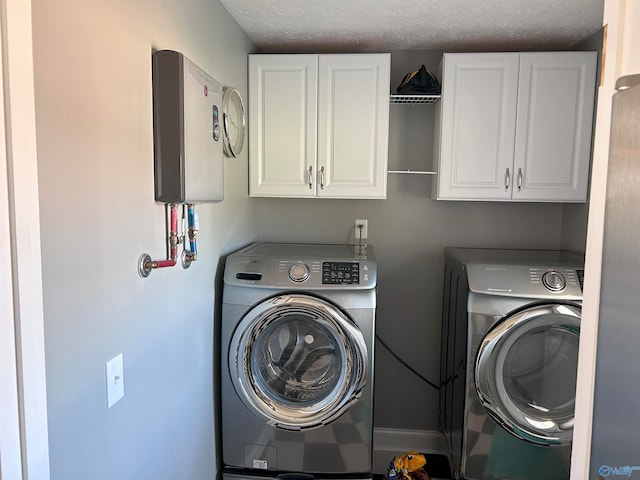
{"x": 619, "y": 57}
{"x": 24, "y": 447}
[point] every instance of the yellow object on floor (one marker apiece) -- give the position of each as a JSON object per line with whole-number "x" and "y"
{"x": 408, "y": 466}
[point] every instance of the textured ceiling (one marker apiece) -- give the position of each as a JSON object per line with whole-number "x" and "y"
{"x": 385, "y": 25}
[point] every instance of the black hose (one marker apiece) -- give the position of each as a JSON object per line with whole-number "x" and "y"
{"x": 409, "y": 367}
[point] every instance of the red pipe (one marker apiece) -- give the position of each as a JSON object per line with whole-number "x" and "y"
{"x": 160, "y": 263}
{"x": 173, "y": 241}
{"x": 173, "y": 233}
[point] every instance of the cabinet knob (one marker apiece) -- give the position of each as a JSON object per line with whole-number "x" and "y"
{"x": 322, "y": 178}
{"x": 507, "y": 180}
{"x": 310, "y": 177}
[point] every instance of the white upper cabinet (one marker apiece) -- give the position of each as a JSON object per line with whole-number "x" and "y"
{"x": 282, "y": 124}
{"x": 477, "y": 125}
{"x": 554, "y": 126}
{"x": 318, "y": 125}
{"x": 515, "y": 126}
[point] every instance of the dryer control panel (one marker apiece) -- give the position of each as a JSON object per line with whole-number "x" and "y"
{"x": 542, "y": 281}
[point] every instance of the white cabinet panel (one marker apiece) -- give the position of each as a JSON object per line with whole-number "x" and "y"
{"x": 282, "y": 125}
{"x": 478, "y": 124}
{"x": 553, "y": 136}
{"x": 515, "y": 126}
{"x": 318, "y": 125}
{"x": 353, "y": 131}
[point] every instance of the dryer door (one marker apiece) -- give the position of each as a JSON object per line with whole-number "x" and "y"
{"x": 525, "y": 373}
{"x": 297, "y": 361}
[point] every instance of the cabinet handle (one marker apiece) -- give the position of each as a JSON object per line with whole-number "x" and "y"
{"x": 310, "y": 177}
{"x": 507, "y": 180}
{"x": 519, "y": 179}
{"x": 322, "y": 178}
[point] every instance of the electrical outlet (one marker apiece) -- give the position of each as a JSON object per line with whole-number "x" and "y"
{"x": 361, "y": 231}
{"x": 115, "y": 380}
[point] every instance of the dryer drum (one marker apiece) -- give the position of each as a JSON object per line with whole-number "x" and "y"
{"x": 297, "y": 362}
{"x": 525, "y": 373}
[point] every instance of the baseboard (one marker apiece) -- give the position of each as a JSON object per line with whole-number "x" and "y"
{"x": 389, "y": 442}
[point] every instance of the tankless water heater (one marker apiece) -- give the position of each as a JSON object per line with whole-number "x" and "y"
{"x": 188, "y": 142}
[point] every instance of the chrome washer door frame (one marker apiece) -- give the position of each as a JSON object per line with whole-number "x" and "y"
{"x": 494, "y": 395}
{"x": 252, "y": 392}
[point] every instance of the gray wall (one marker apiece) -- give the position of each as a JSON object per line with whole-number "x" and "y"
{"x": 408, "y": 232}
{"x": 94, "y": 131}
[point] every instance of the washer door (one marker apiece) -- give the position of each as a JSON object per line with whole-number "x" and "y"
{"x": 297, "y": 361}
{"x": 525, "y": 373}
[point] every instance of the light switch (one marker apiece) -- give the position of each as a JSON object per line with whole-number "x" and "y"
{"x": 115, "y": 380}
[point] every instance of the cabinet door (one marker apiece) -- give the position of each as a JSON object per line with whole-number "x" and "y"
{"x": 477, "y": 126}
{"x": 554, "y": 126}
{"x": 353, "y": 125}
{"x": 282, "y": 125}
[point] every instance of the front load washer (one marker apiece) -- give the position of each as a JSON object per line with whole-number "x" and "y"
{"x": 510, "y": 333}
{"x": 297, "y": 338}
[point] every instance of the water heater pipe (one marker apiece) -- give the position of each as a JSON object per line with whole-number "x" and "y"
{"x": 146, "y": 264}
{"x": 191, "y": 254}
{"x": 193, "y": 231}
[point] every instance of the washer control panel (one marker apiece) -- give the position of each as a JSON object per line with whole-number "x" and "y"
{"x": 302, "y": 267}
{"x": 340, "y": 273}
{"x": 310, "y": 273}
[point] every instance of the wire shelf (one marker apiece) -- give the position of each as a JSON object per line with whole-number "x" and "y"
{"x": 414, "y": 99}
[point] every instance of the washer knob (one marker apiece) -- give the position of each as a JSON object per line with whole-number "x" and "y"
{"x": 299, "y": 272}
{"x": 554, "y": 281}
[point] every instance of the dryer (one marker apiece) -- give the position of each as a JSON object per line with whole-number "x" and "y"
{"x": 510, "y": 334}
{"x": 297, "y": 338}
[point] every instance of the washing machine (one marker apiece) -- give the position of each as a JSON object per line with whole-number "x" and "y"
{"x": 297, "y": 338}
{"x": 510, "y": 334}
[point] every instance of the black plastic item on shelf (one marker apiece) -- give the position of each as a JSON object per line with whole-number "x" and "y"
{"x": 420, "y": 82}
